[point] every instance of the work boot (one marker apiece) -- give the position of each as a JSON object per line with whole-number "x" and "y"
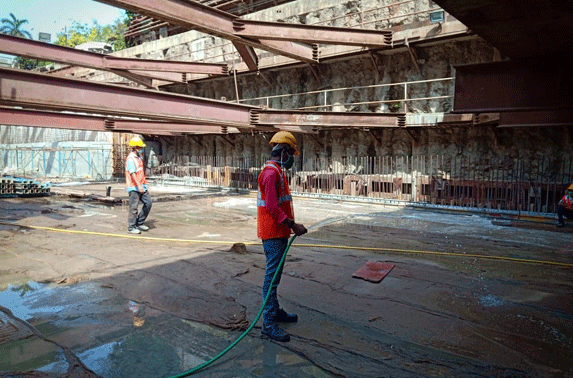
{"x": 143, "y": 227}
{"x": 134, "y": 231}
{"x": 275, "y": 333}
{"x": 284, "y": 317}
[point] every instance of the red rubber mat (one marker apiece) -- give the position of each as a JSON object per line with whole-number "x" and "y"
{"x": 373, "y": 271}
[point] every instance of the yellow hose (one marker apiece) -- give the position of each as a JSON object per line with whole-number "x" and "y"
{"x": 378, "y": 249}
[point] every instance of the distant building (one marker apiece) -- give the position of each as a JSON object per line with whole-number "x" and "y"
{"x": 44, "y": 37}
{"x": 6, "y": 60}
{"x": 97, "y": 47}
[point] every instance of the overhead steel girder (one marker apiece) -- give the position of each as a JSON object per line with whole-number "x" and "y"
{"x": 172, "y": 77}
{"x": 150, "y": 127}
{"x": 143, "y": 80}
{"x": 33, "y": 90}
{"x": 507, "y": 86}
{"x": 279, "y": 118}
{"x": 536, "y": 119}
{"x": 54, "y": 53}
{"x": 312, "y": 34}
{"x": 194, "y": 15}
{"x": 519, "y": 29}
{"x": 142, "y": 77}
{"x": 33, "y": 118}
{"x": 248, "y": 54}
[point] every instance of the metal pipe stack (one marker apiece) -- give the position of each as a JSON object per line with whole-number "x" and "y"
{"x": 22, "y": 187}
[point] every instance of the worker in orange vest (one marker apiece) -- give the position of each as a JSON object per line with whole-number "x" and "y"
{"x": 275, "y": 221}
{"x": 136, "y": 188}
{"x": 565, "y": 207}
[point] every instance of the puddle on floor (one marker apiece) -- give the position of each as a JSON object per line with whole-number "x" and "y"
{"x": 116, "y": 337}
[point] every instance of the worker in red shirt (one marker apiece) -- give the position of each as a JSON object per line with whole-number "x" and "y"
{"x": 275, "y": 222}
{"x": 565, "y": 207}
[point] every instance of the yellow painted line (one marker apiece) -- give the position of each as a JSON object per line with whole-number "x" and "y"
{"x": 376, "y": 249}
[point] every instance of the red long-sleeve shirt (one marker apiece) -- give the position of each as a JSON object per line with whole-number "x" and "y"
{"x": 270, "y": 178}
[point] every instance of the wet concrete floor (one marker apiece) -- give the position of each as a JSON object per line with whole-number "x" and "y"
{"x": 115, "y": 337}
{"x": 468, "y": 297}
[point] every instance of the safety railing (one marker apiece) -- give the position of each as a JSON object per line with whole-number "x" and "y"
{"x": 524, "y": 185}
{"x": 402, "y": 96}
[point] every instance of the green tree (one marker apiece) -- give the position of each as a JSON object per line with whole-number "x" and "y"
{"x": 11, "y": 26}
{"x": 78, "y": 34}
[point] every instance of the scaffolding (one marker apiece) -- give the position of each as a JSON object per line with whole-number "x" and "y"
{"x": 87, "y": 162}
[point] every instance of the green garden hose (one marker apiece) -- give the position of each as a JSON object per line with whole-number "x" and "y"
{"x": 253, "y": 323}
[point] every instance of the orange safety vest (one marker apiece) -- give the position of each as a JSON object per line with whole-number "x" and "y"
{"x": 267, "y": 226}
{"x": 139, "y": 171}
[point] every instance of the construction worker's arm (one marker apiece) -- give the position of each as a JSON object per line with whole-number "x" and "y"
{"x": 140, "y": 188}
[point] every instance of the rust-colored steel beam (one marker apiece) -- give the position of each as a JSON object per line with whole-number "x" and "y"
{"x": 172, "y": 77}
{"x": 33, "y": 118}
{"x": 248, "y": 54}
{"x": 144, "y": 78}
{"x": 536, "y": 119}
{"x": 280, "y": 118}
{"x": 34, "y": 90}
{"x": 44, "y": 51}
{"x": 312, "y": 33}
{"x": 139, "y": 79}
{"x": 519, "y": 29}
{"x": 193, "y": 15}
{"x": 21, "y": 117}
{"x": 509, "y": 86}
{"x": 138, "y": 126}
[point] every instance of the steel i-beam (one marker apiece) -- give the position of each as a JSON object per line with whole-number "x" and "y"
{"x": 194, "y": 15}
{"x": 280, "y": 118}
{"x": 508, "y": 86}
{"x": 312, "y": 34}
{"x": 32, "y": 118}
{"x": 54, "y": 53}
{"x": 34, "y": 90}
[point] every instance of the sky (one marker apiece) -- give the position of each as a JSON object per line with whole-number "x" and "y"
{"x": 52, "y": 16}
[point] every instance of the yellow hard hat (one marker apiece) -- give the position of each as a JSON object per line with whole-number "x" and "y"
{"x": 136, "y": 142}
{"x": 284, "y": 137}
{"x": 570, "y": 187}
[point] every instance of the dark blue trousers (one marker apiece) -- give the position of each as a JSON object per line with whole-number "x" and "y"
{"x": 274, "y": 251}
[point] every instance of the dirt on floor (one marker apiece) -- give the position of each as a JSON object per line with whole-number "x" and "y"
{"x": 468, "y": 296}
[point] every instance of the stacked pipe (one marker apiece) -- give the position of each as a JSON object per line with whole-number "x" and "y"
{"x": 21, "y": 187}
{"x": 6, "y": 185}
